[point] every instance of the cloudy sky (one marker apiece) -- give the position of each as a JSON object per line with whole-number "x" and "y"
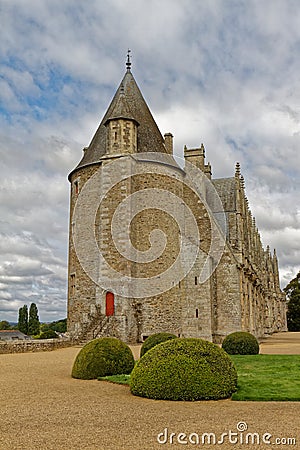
{"x": 222, "y": 72}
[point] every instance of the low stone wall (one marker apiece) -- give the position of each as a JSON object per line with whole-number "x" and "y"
{"x": 41, "y": 345}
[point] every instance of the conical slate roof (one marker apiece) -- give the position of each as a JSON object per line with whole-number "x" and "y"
{"x": 128, "y": 102}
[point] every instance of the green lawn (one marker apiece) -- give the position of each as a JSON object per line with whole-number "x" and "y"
{"x": 260, "y": 377}
{"x": 119, "y": 379}
{"x": 268, "y": 377}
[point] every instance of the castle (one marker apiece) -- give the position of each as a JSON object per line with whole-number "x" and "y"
{"x": 159, "y": 246}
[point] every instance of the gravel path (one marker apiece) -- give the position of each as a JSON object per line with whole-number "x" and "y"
{"x": 43, "y": 408}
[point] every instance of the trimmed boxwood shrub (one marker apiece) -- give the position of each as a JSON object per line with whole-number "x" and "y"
{"x": 101, "y": 357}
{"x": 184, "y": 369}
{"x": 241, "y": 343}
{"x": 155, "y": 339}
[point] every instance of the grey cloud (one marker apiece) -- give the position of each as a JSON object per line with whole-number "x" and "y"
{"x": 24, "y": 267}
{"x": 291, "y": 112}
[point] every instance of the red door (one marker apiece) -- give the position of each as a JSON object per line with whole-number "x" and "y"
{"x": 110, "y": 304}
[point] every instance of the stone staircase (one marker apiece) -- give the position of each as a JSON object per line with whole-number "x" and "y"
{"x": 97, "y": 326}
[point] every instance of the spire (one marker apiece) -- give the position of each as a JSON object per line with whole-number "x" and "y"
{"x": 128, "y": 62}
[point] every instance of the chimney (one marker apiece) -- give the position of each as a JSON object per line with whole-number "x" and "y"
{"x": 169, "y": 142}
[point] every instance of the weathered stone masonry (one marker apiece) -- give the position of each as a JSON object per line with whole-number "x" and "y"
{"x": 243, "y": 293}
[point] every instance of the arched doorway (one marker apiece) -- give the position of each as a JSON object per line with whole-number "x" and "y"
{"x": 109, "y": 304}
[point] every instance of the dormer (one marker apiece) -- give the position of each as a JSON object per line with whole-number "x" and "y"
{"x": 121, "y": 129}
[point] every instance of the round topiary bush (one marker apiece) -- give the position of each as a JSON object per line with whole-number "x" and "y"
{"x": 184, "y": 369}
{"x": 101, "y": 357}
{"x": 155, "y": 339}
{"x": 241, "y": 343}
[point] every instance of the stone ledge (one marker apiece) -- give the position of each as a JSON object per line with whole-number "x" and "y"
{"x": 42, "y": 345}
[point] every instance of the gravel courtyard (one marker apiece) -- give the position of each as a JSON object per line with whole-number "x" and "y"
{"x": 43, "y": 408}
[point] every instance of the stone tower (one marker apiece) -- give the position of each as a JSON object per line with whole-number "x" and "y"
{"x": 119, "y": 242}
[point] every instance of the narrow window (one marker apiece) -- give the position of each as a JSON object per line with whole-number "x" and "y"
{"x": 116, "y": 136}
{"x": 197, "y": 313}
{"x": 109, "y": 304}
{"x": 76, "y": 185}
{"x": 196, "y": 281}
{"x": 72, "y": 284}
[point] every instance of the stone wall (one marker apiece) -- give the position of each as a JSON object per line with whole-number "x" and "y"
{"x": 43, "y": 345}
{"x": 81, "y": 291}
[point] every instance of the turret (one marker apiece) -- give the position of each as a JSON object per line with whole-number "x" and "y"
{"x": 127, "y": 127}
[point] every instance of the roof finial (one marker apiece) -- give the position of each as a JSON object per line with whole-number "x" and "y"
{"x": 128, "y": 62}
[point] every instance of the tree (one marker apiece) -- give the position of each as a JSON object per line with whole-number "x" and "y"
{"x": 49, "y": 334}
{"x": 23, "y": 319}
{"x": 34, "y": 321}
{"x": 59, "y": 325}
{"x": 4, "y": 325}
{"x": 292, "y": 291}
